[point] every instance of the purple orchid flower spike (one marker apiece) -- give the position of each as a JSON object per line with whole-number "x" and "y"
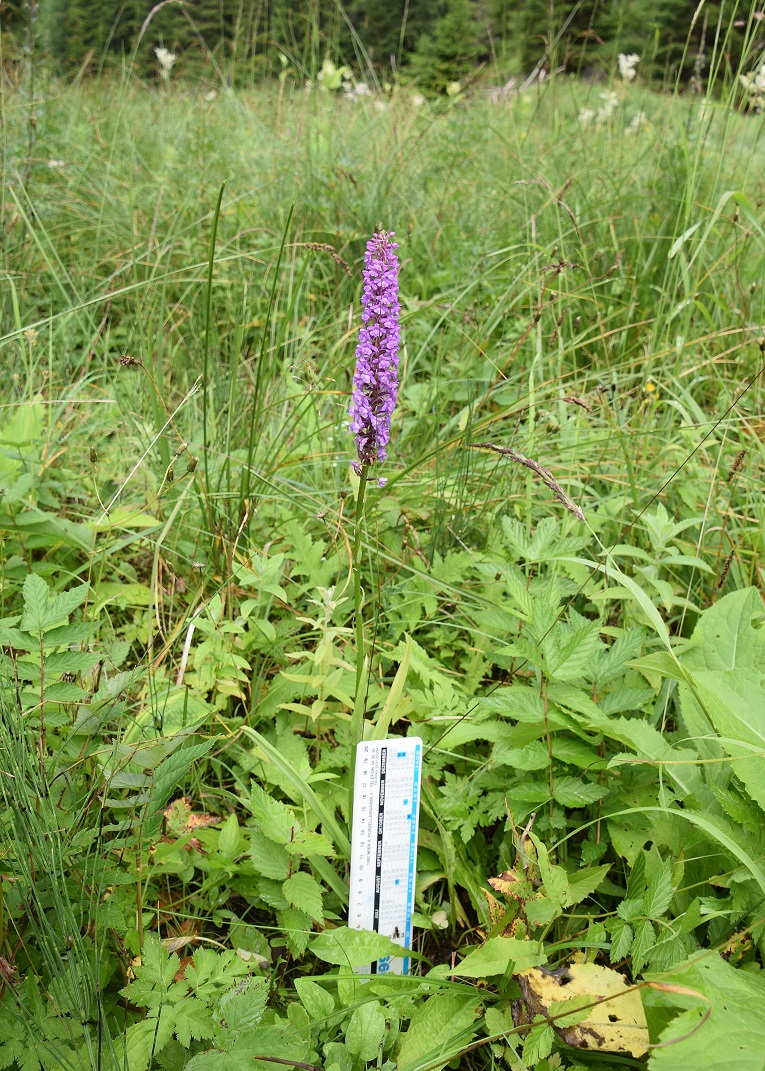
{"x": 375, "y": 382}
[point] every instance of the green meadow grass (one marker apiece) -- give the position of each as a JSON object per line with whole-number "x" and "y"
{"x": 587, "y": 293}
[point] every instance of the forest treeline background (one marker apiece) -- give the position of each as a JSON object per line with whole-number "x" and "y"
{"x": 434, "y": 43}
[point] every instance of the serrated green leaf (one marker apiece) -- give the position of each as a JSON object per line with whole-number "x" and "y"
{"x": 572, "y": 792}
{"x": 276, "y": 820}
{"x": 732, "y": 1035}
{"x": 660, "y": 891}
{"x": 307, "y": 842}
{"x": 270, "y": 859}
{"x": 584, "y": 882}
{"x": 191, "y": 1020}
{"x": 297, "y": 926}
{"x": 642, "y": 942}
{"x": 538, "y": 1042}
{"x": 304, "y": 892}
{"x": 242, "y": 1008}
{"x": 36, "y": 603}
{"x": 621, "y": 939}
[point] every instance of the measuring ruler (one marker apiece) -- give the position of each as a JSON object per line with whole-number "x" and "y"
{"x": 386, "y": 811}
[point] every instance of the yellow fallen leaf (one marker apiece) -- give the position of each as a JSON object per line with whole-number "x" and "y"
{"x": 616, "y": 1024}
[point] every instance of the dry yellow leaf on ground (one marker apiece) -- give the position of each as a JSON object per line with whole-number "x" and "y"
{"x": 617, "y": 1024}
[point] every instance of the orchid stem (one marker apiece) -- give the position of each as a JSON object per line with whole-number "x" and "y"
{"x": 358, "y": 616}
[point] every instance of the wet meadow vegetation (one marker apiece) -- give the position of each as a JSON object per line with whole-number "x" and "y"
{"x": 577, "y": 636}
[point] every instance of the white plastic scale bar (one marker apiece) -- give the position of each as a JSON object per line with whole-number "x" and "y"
{"x": 386, "y": 811}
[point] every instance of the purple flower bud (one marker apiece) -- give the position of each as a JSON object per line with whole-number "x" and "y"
{"x": 375, "y": 383}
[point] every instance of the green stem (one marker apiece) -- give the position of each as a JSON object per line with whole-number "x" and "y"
{"x": 357, "y": 615}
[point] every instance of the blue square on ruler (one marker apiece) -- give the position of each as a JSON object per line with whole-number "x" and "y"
{"x": 409, "y": 817}
{"x": 401, "y": 754}
{"x": 406, "y": 803}
{"x": 397, "y": 881}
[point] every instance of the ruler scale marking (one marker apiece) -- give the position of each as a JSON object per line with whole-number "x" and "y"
{"x": 384, "y": 843}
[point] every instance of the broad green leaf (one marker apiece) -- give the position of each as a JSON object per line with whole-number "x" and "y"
{"x": 353, "y": 948}
{"x": 499, "y": 955}
{"x": 584, "y": 882}
{"x": 735, "y": 701}
{"x": 230, "y": 836}
{"x": 733, "y": 1035}
{"x": 433, "y": 1029}
{"x": 365, "y": 1031}
{"x": 315, "y": 999}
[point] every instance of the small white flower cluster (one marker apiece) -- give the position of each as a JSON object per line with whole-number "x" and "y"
{"x": 356, "y": 90}
{"x": 628, "y": 66}
{"x": 636, "y": 123}
{"x": 165, "y": 59}
{"x": 754, "y": 87}
{"x": 604, "y": 112}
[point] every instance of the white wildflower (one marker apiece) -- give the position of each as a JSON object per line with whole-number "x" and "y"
{"x": 754, "y": 87}
{"x": 165, "y": 59}
{"x": 586, "y": 115}
{"x": 610, "y": 103}
{"x": 417, "y": 100}
{"x": 628, "y": 65}
{"x": 636, "y": 123}
{"x": 209, "y": 97}
{"x": 56, "y": 163}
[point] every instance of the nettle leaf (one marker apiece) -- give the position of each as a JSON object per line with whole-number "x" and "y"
{"x": 571, "y": 792}
{"x": 297, "y": 927}
{"x": 307, "y": 842}
{"x": 304, "y": 892}
{"x": 242, "y": 1008}
{"x": 36, "y": 603}
{"x": 584, "y": 882}
{"x": 270, "y": 859}
{"x": 660, "y": 891}
{"x": 570, "y": 654}
{"x": 732, "y": 1035}
{"x": 621, "y": 939}
{"x": 643, "y": 942}
{"x": 277, "y": 821}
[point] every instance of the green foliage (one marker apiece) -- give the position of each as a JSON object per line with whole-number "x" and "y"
{"x": 179, "y": 662}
